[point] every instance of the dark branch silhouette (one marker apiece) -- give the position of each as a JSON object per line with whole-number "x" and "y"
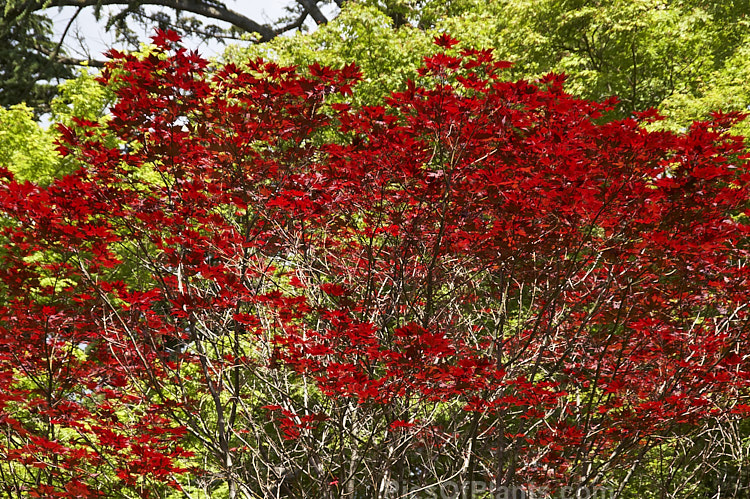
{"x": 17, "y": 12}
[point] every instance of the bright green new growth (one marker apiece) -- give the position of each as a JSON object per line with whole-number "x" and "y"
{"x": 685, "y": 58}
{"x": 360, "y": 34}
{"x": 27, "y": 148}
{"x": 726, "y": 89}
{"x": 81, "y": 97}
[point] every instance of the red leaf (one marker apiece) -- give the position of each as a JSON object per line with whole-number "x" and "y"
{"x": 446, "y": 41}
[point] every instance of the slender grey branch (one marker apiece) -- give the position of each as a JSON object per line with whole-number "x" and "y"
{"x": 73, "y": 61}
{"x": 56, "y": 52}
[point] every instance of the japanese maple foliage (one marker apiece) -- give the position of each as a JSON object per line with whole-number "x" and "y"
{"x": 265, "y": 287}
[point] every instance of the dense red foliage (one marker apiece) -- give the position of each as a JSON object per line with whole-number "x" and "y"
{"x": 478, "y": 278}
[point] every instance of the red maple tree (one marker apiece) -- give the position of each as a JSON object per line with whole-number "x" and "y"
{"x": 264, "y": 288}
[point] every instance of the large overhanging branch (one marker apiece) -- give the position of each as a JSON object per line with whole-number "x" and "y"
{"x": 216, "y": 11}
{"x": 220, "y": 22}
{"x": 212, "y": 11}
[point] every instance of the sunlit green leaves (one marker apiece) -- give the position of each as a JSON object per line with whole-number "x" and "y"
{"x": 386, "y": 56}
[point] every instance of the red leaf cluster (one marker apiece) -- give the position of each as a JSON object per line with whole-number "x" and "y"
{"x": 474, "y": 250}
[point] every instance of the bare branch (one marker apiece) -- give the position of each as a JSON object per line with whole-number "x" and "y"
{"x": 292, "y": 25}
{"x": 73, "y": 61}
{"x": 56, "y": 52}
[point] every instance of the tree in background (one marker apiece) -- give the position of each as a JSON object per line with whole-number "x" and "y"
{"x": 682, "y": 56}
{"x": 205, "y": 12}
{"x": 252, "y": 287}
{"x": 685, "y": 57}
{"x": 643, "y": 51}
{"x": 32, "y": 60}
{"x": 27, "y": 148}
{"x": 27, "y": 73}
{"x": 387, "y": 56}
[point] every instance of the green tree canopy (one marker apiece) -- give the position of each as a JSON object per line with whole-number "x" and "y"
{"x": 27, "y": 72}
{"x": 684, "y": 57}
{"x": 28, "y": 149}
